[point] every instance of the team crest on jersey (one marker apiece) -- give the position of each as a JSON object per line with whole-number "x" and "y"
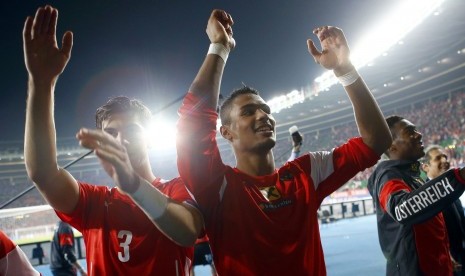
{"x": 271, "y": 193}
{"x": 415, "y": 167}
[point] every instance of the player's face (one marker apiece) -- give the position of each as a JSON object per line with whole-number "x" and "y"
{"x": 252, "y": 126}
{"x": 438, "y": 163}
{"x": 408, "y": 142}
{"x": 127, "y": 128}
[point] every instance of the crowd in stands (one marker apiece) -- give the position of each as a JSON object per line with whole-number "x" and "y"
{"x": 441, "y": 121}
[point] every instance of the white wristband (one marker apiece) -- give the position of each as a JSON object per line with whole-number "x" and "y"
{"x": 150, "y": 199}
{"x": 220, "y": 50}
{"x": 349, "y": 78}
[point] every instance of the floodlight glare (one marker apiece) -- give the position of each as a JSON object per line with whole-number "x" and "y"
{"x": 161, "y": 135}
{"x": 389, "y": 31}
{"x": 285, "y": 101}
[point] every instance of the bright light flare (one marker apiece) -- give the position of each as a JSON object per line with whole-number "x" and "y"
{"x": 161, "y": 135}
{"x": 285, "y": 101}
{"x": 388, "y": 32}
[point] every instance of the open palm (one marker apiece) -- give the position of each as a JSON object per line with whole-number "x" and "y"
{"x": 335, "y": 51}
{"x": 44, "y": 60}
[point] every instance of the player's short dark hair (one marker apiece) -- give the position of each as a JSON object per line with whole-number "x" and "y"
{"x": 121, "y": 104}
{"x": 226, "y": 106}
{"x": 391, "y": 121}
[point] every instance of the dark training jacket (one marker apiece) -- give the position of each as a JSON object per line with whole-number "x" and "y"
{"x": 411, "y": 228}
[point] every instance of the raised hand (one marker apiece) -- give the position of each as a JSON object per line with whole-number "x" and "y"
{"x": 113, "y": 155}
{"x": 335, "y": 54}
{"x": 219, "y": 29}
{"x": 44, "y": 60}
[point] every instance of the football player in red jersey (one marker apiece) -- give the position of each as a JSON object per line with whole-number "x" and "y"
{"x": 144, "y": 226}
{"x": 262, "y": 220}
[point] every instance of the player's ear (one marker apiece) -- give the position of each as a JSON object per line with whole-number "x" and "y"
{"x": 425, "y": 167}
{"x": 392, "y": 149}
{"x": 226, "y": 133}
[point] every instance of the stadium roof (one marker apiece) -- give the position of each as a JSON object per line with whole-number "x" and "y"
{"x": 429, "y": 61}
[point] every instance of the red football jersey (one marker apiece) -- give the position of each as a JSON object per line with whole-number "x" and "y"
{"x": 265, "y": 225}
{"x": 120, "y": 239}
{"x": 13, "y": 261}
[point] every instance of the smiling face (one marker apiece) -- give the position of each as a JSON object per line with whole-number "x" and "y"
{"x": 436, "y": 163}
{"x": 251, "y": 127}
{"x": 407, "y": 142}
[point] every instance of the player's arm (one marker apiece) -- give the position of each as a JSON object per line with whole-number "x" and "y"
{"x": 199, "y": 161}
{"x": 44, "y": 63}
{"x": 410, "y": 207}
{"x": 180, "y": 222}
{"x": 335, "y": 56}
{"x": 206, "y": 84}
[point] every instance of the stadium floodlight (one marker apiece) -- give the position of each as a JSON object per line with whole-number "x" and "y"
{"x": 285, "y": 101}
{"x": 388, "y": 32}
{"x": 161, "y": 134}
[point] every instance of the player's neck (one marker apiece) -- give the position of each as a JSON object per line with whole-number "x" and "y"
{"x": 256, "y": 164}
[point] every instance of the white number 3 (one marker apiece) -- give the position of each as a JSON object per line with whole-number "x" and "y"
{"x": 126, "y": 236}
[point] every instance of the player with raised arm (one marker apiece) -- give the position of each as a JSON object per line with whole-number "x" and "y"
{"x": 262, "y": 220}
{"x": 144, "y": 226}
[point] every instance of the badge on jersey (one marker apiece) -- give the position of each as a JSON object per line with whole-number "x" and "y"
{"x": 271, "y": 193}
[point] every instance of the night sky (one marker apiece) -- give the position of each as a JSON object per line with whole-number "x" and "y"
{"x": 151, "y": 50}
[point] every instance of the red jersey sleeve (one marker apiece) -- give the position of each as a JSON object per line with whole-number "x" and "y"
{"x": 13, "y": 261}
{"x": 199, "y": 161}
{"x": 331, "y": 170}
{"x": 389, "y": 188}
{"x": 88, "y": 197}
{"x": 6, "y": 245}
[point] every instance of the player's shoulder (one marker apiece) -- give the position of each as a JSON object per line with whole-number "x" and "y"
{"x": 88, "y": 191}
{"x": 168, "y": 186}
{"x": 6, "y": 244}
{"x": 168, "y": 182}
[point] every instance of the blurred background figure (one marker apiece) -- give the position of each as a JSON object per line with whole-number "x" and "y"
{"x": 435, "y": 163}
{"x": 203, "y": 255}
{"x": 63, "y": 259}
{"x": 296, "y": 142}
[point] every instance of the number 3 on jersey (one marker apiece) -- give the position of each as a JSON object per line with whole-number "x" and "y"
{"x": 125, "y": 237}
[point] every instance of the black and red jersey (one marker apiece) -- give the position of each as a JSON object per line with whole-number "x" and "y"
{"x": 411, "y": 228}
{"x": 62, "y": 253}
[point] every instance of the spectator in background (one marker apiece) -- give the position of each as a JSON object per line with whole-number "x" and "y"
{"x": 297, "y": 139}
{"x": 63, "y": 261}
{"x": 411, "y": 228}
{"x": 13, "y": 261}
{"x": 143, "y": 226}
{"x": 434, "y": 164}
